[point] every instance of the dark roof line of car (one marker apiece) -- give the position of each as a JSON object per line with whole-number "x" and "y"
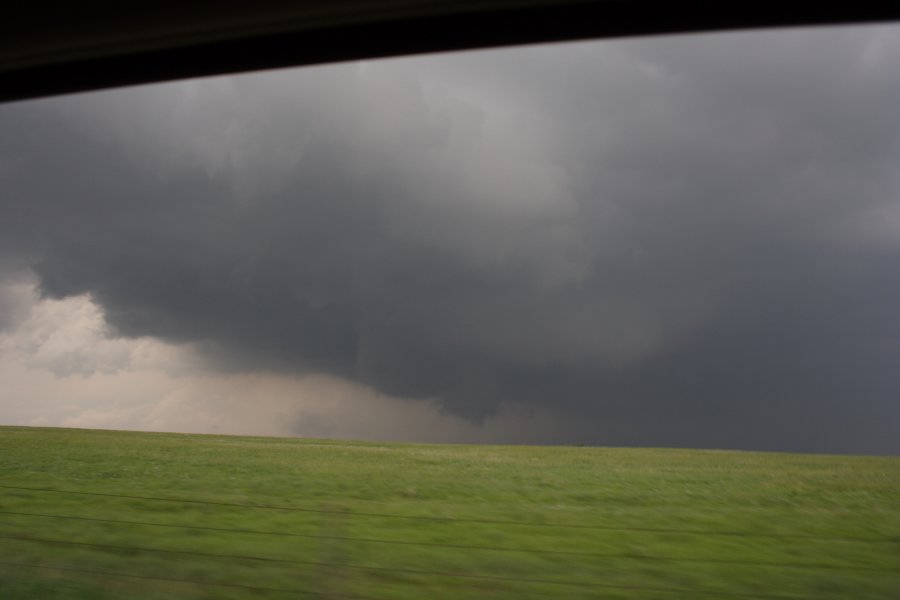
{"x": 91, "y": 45}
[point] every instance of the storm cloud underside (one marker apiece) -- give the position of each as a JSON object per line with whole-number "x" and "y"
{"x": 684, "y": 241}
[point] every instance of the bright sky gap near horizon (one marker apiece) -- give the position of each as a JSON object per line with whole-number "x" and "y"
{"x": 687, "y": 241}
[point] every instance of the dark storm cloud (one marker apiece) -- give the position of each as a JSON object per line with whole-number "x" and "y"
{"x": 681, "y": 241}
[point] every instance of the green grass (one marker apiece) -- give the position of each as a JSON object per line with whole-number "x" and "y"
{"x": 820, "y": 527}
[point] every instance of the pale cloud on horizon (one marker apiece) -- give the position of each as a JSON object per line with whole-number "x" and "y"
{"x": 60, "y": 368}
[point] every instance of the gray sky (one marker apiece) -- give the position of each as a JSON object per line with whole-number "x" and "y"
{"x": 678, "y": 241}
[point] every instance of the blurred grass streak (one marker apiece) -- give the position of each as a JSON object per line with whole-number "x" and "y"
{"x": 806, "y": 499}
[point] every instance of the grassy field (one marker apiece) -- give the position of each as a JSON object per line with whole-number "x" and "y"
{"x": 399, "y": 521}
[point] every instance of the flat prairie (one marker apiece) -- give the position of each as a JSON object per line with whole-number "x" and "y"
{"x": 90, "y": 514}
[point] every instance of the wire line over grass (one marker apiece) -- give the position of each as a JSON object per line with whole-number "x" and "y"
{"x": 317, "y": 536}
{"x": 349, "y": 597}
{"x": 798, "y": 536}
{"x": 415, "y": 571}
